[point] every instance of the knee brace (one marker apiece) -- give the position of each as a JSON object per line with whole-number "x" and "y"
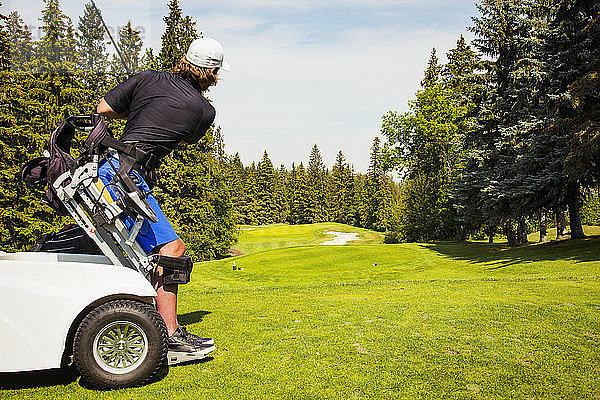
{"x": 176, "y": 271}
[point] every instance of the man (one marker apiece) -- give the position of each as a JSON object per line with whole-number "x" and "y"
{"x": 162, "y": 110}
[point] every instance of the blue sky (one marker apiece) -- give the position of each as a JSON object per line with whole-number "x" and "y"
{"x": 304, "y": 72}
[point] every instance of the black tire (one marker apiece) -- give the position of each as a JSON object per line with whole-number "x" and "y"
{"x": 119, "y": 344}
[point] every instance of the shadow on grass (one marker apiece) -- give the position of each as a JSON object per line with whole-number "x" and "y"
{"x": 191, "y": 317}
{"x": 500, "y": 255}
{"x": 38, "y": 379}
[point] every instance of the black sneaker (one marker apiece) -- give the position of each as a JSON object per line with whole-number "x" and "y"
{"x": 196, "y": 338}
{"x": 184, "y": 347}
{"x": 182, "y": 341}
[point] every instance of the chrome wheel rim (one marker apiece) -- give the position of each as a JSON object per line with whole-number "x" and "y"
{"x": 120, "y": 347}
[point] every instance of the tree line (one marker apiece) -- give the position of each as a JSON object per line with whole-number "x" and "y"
{"x": 262, "y": 194}
{"x": 504, "y": 136}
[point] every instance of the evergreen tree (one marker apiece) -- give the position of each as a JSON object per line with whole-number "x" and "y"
{"x": 234, "y": 175}
{"x": 20, "y": 44}
{"x": 359, "y": 200}
{"x": 317, "y": 177}
{"x": 251, "y": 207}
{"x": 377, "y": 196}
{"x": 281, "y": 194}
{"x": 460, "y": 74}
{"x": 574, "y": 96}
{"x": 291, "y": 189}
{"x": 301, "y": 208}
{"x": 179, "y": 33}
{"x": 32, "y": 104}
{"x": 55, "y": 50}
{"x": 91, "y": 49}
{"x": 266, "y": 195}
{"x": 219, "y": 147}
{"x": 92, "y": 58}
{"x": 481, "y": 193}
{"x": 342, "y": 191}
{"x": 5, "y": 56}
{"x": 433, "y": 71}
{"x": 130, "y": 44}
{"x": 150, "y": 61}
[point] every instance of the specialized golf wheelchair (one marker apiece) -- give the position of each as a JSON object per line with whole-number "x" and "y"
{"x": 59, "y": 306}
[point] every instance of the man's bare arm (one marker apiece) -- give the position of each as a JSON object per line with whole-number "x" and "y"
{"x": 106, "y": 110}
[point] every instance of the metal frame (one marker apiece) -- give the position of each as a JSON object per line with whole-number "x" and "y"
{"x": 85, "y": 197}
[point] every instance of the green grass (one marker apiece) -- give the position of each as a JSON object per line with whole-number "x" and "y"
{"x": 445, "y": 320}
{"x": 255, "y": 238}
{"x": 588, "y": 230}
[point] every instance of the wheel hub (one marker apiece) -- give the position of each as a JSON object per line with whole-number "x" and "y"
{"x": 120, "y": 347}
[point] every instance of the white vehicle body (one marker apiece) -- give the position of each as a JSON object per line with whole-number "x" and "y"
{"x": 44, "y": 295}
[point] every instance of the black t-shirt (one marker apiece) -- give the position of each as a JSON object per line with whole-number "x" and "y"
{"x": 164, "y": 109}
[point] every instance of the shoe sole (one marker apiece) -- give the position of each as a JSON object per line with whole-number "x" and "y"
{"x": 178, "y": 357}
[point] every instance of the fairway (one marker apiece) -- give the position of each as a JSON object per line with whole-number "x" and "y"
{"x": 369, "y": 320}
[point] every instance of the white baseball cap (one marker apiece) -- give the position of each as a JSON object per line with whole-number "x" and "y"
{"x": 207, "y": 53}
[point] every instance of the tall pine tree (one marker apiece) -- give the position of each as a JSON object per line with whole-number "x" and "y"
{"x": 317, "y": 176}
{"x": 179, "y": 33}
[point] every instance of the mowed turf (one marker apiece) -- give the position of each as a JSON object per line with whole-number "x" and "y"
{"x": 256, "y": 238}
{"x": 378, "y": 321}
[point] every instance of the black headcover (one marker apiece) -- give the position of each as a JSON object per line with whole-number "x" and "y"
{"x": 70, "y": 239}
{"x": 34, "y": 173}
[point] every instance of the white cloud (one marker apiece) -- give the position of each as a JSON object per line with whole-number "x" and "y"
{"x": 285, "y": 98}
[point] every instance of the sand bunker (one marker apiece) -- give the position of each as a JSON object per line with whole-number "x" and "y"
{"x": 340, "y": 238}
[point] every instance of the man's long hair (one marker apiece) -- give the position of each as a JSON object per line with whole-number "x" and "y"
{"x": 204, "y": 77}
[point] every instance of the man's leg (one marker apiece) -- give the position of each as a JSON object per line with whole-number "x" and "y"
{"x": 166, "y": 295}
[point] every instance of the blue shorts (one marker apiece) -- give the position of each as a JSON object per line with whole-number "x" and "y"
{"x": 152, "y": 234}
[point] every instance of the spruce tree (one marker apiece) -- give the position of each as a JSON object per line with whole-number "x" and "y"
{"x": 130, "y": 44}
{"x": 150, "y": 61}
{"x": 32, "y": 105}
{"x": 251, "y": 207}
{"x": 20, "y": 43}
{"x": 91, "y": 48}
{"x": 342, "y": 184}
{"x": 92, "y": 58}
{"x": 266, "y": 195}
{"x": 302, "y": 211}
{"x": 360, "y": 200}
{"x": 481, "y": 192}
{"x": 574, "y": 95}
{"x": 5, "y": 56}
{"x": 377, "y": 192}
{"x": 179, "y": 33}
{"x": 317, "y": 176}
{"x": 291, "y": 188}
{"x": 234, "y": 176}
{"x": 433, "y": 71}
{"x": 281, "y": 194}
